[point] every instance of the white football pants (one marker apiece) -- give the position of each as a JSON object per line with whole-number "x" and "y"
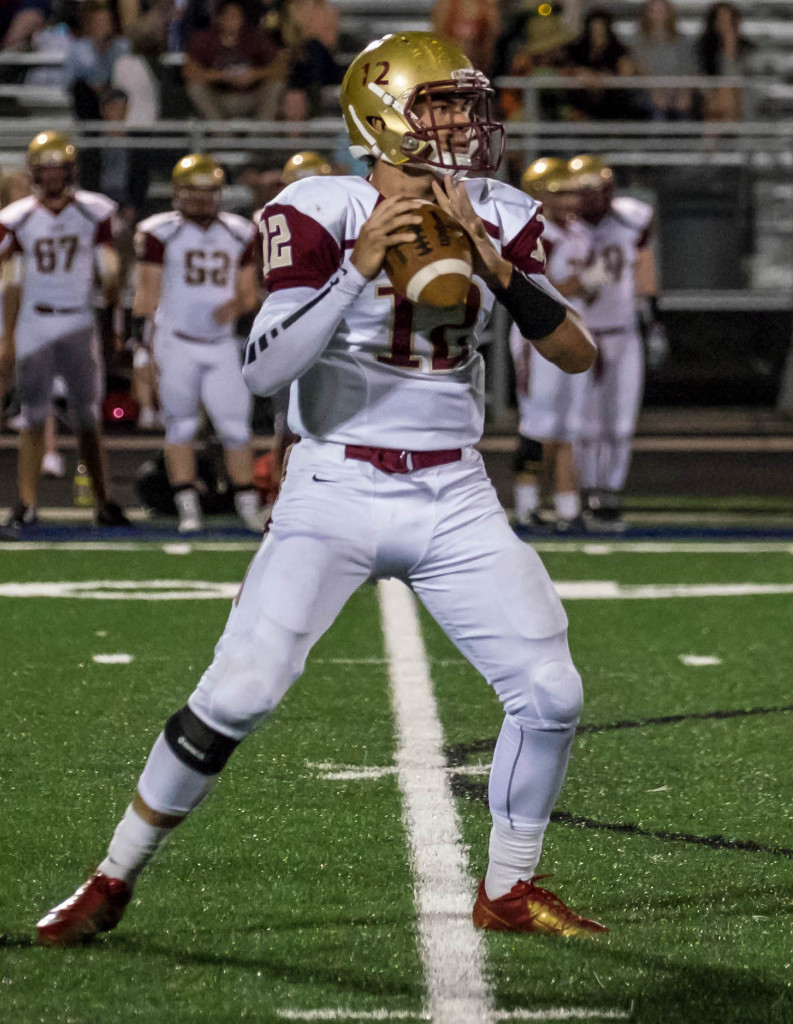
{"x": 338, "y": 523}
{"x": 610, "y": 409}
{"x": 192, "y": 374}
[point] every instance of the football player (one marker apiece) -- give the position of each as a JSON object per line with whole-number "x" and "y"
{"x": 549, "y": 400}
{"x": 388, "y": 398}
{"x": 196, "y": 276}
{"x": 621, "y": 233}
{"x": 53, "y": 243}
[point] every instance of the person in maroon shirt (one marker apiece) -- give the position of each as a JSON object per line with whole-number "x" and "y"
{"x": 234, "y": 69}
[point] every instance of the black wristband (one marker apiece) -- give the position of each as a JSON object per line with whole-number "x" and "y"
{"x": 139, "y": 329}
{"x": 535, "y": 312}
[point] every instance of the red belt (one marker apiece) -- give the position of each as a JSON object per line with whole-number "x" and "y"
{"x": 393, "y": 460}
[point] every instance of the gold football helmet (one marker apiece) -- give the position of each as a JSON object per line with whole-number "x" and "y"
{"x": 393, "y": 98}
{"x": 548, "y": 174}
{"x": 198, "y": 186}
{"x": 594, "y": 180}
{"x": 305, "y": 165}
{"x": 52, "y": 163}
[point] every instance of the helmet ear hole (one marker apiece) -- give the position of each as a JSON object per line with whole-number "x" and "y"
{"x": 377, "y": 123}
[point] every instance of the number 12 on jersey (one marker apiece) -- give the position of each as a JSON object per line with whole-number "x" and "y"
{"x": 447, "y": 339}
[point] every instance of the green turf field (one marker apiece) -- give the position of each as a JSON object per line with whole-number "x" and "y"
{"x": 291, "y": 891}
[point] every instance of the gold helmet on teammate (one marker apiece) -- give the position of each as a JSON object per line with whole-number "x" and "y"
{"x": 548, "y": 174}
{"x": 549, "y": 181}
{"x": 52, "y": 164}
{"x": 594, "y": 180}
{"x": 393, "y": 91}
{"x": 198, "y": 186}
{"x": 304, "y": 165}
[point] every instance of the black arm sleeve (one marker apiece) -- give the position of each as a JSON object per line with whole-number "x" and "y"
{"x": 535, "y": 312}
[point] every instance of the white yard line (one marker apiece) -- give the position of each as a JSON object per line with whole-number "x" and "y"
{"x": 451, "y": 949}
{"x": 554, "y": 1013}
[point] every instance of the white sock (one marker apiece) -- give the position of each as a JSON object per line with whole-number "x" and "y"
{"x": 133, "y": 845}
{"x": 514, "y": 855}
{"x": 527, "y": 499}
{"x": 567, "y": 504}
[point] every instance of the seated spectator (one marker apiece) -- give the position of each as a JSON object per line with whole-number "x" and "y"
{"x": 234, "y": 69}
{"x": 20, "y": 20}
{"x": 473, "y": 24}
{"x": 596, "y": 55}
{"x": 310, "y": 29}
{"x": 660, "y": 50}
{"x": 722, "y": 50}
{"x": 55, "y": 39}
{"x": 88, "y": 70}
{"x": 541, "y": 50}
{"x": 136, "y": 74}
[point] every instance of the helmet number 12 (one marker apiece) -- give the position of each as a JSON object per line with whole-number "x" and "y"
{"x": 382, "y": 78}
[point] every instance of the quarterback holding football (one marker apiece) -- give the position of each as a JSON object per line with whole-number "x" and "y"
{"x": 387, "y": 395}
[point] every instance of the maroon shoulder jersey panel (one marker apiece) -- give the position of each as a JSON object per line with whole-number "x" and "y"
{"x": 300, "y": 252}
{"x": 522, "y": 251}
{"x": 149, "y": 249}
{"x": 647, "y": 235}
{"x": 104, "y": 233}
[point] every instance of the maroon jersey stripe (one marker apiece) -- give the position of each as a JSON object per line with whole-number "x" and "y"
{"x": 307, "y": 258}
{"x": 522, "y": 250}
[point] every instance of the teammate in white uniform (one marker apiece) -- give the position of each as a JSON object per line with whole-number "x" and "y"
{"x": 196, "y": 275}
{"x": 53, "y": 243}
{"x": 388, "y": 399}
{"x": 549, "y": 400}
{"x": 621, "y": 233}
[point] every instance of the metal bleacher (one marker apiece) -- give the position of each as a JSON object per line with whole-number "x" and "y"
{"x": 753, "y": 157}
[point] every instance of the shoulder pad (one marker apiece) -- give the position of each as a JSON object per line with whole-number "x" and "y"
{"x": 94, "y": 205}
{"x": 16, "y": 213}
{"x": 240, "y": 227}
{"x": 162, "y": 225}
{"x": 633, "y": 212}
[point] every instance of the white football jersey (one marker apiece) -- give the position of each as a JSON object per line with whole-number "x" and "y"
{"x": 567, "y": 252}
{"x": 58, "y": 253}
{"x": 627, "y": 228}
{"x": 200, "y": 266}
{"x": 394, "y": 374}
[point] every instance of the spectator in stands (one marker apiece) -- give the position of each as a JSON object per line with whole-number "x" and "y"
{"x": 596, "y": 55}
{"x": 722, "y": 50}
{"x": 473, "y": 24}
{"x": 310, "y": 29}
{"x": 88, "y": 70}
{"x": 136, "y": 73}
{"x": 542, "y": 52}
{"x": 660, "y": 50}
{"x": 234, "y": 68}
{"x": 20, "y": 20}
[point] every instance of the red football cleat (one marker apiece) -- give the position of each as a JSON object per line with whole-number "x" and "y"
{"x": 97, "y": 906}
{"x": 528, "y": 908}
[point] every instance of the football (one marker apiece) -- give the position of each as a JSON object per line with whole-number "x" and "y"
{"x": 436, "y": 268}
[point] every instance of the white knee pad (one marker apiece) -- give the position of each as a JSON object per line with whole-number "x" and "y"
{"x": 546, "y": 691}
{"x": 181, "y": 430}
{"x": 233, "y": 433}
{"x": 248, "y": 677}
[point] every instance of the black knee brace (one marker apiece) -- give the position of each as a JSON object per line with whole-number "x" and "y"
{"x": 198, "y": 746}
{"x": 528, "y": 455}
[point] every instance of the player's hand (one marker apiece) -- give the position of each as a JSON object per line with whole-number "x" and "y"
{"x": 226, "y": 313}
{"x": 488, "y": 261}
{"x": 388, "y": 225}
